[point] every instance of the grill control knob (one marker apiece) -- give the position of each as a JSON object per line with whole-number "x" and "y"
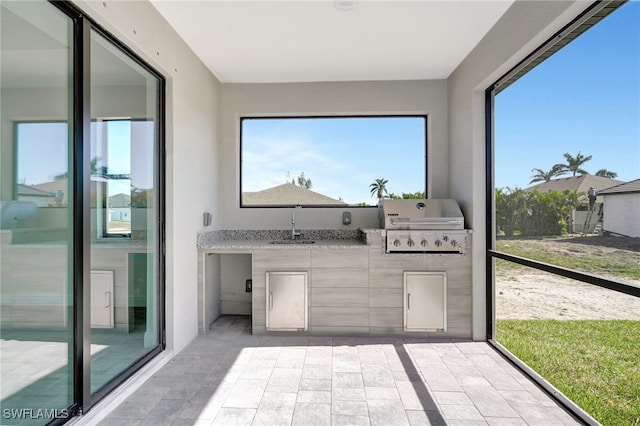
{"x": 397, "y": 243}
{"x": 424, "y": 243}
{"x": 410, "y": 243}
{"x": 454, "y": 243}
{"x": 438, "y": 243}
{"x": 445, "y": 238}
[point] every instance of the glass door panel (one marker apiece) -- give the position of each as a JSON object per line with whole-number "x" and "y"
{"x": 36, "y": 239}
{"x": 124, "y": 211}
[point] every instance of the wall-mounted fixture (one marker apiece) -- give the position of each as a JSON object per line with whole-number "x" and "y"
{"x": 344, "y": 4}
{"x": 206, "y": 219}
{"x": 346, "y": 218}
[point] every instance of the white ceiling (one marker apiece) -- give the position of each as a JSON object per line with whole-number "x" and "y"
{"x": 263, "y": 41}
{"x": 35, "y": 51}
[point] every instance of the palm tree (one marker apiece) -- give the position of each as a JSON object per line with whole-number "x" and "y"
{"x": 93, "y": 169}
{"x": 574, "y": 163}
{"x": 379, "y": 187}
{"x": 510, "y": 205}
{"x": 606, "y": 173}
{"x": 540, "y": 175}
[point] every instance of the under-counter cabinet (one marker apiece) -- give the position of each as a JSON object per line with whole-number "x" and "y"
{"x": 287, "y": 300}
{"x": 425, "y": 301}
{"x": 102, "y": 299}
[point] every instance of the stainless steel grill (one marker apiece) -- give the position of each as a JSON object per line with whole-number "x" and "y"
{"x": 428, "y": 225}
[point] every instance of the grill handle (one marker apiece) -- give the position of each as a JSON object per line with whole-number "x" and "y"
{"x": 425, "y": 222}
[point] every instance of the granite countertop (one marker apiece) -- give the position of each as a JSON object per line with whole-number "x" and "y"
{"x": 298, "y": 244}
{"x": 281, "y": 239}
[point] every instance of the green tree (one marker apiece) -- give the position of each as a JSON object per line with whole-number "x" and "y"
{"x": 141, "y": 197}
{"x": 379, "y": 188}
{"x": 542, "y": 176}
{"x": 606, "y": 173}
{"x": 534, "y": 213}
{"x": 412, "y": 195}
{"x": 509, "y": 203}
{"x": 406, "y": 195}
{"x": 574, "y": 164}
{"x": 304, "y": 182}
{"x": 93, "y": 167}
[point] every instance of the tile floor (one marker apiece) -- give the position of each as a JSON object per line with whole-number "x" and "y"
{"x": 230, "y": 377}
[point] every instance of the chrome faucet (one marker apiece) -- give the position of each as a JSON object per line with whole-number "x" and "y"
{"x": 294, "y": 233}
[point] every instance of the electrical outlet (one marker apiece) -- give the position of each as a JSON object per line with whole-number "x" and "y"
{"x": 346, "y": 218}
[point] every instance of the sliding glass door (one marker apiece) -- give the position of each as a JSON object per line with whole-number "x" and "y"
{"x": 81, "y": 195}
{"x": 36, "y": 239}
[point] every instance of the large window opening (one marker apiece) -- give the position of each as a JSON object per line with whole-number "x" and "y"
{"x": 564, "y": 246}
{"x": 332, "y": 161}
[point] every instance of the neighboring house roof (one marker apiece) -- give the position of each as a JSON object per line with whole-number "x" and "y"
{"x": 59, "y": 185}
{"x": 287, "y": 193}
{"x": 33, "y": 191}
{"x": 53, "y": 186}
{"x": 579, "y": 183}
{"x": 119, "y": 200}
{"x": 623, "y": 188}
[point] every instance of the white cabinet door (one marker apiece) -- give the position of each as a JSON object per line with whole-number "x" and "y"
{"x": 102, "y": 299}
{"x": 286, "y": 300}
{"x": 425, "y": 301}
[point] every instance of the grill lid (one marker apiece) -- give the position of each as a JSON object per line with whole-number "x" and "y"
{"x": 442, "y": 213}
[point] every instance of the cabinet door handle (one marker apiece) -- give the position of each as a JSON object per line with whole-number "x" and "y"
{"x": 107, "y": 299}
{"x": 408, "y": 300}
{"x": 270, "y": 300}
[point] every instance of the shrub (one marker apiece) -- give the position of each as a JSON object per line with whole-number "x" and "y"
{"x": 534, "y": 213}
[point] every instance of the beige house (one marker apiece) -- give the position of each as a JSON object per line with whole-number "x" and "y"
{"x": 577, "y": 183}
{"x": 580, "y": 217}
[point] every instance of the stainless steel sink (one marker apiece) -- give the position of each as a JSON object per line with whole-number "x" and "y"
{"x": 293, "y": 242}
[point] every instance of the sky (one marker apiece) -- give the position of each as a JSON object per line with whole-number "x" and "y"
{"x": 585, "y": 98}
{"x": 43, "y": 152}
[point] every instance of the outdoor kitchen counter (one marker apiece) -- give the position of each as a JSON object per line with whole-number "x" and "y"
{"x": 353, "y": 286}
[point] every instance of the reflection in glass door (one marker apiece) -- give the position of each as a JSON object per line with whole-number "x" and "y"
{"x": 81, "y": 216}
{"x": 124, "y": 208}
{"x": 36, "y": 196}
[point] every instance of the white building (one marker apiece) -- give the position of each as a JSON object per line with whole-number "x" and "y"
{"x": 621, "y": 209}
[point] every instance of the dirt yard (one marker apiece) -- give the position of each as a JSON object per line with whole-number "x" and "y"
{"x": 523, "y": 293}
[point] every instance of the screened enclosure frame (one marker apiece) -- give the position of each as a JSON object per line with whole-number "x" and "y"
{"x": 583, "y": 22}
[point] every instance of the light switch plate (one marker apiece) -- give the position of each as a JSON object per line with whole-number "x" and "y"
{"x": 206, "y": 219}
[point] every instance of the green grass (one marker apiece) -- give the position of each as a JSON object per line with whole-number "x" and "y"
{"x": 596, "y": 265}
{"x": 596, "y": 363}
